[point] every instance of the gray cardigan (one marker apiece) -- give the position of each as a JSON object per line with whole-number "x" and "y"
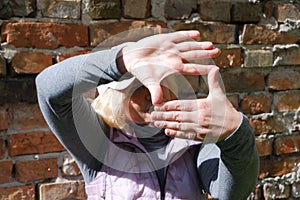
{"x": 231, "y": 165}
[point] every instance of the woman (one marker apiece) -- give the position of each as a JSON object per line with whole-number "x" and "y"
{"x": 128, "y": 143}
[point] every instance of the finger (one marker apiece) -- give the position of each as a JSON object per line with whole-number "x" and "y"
{"x": 192, "y": 105}
{"x": 200, "y": 54}
{"x": 215, "y": 83}
{"x": 182, "y": 126}
{"x": 174, "y": 116}
{"x": 186, "y": 135}
{"x": 183, "y": 35}
{"x": 195, "y": 69}
{"x": 155, "y": 92}
{"x": 177, "y": 105}
{"x": 202, "y": 119}
{"x": 180, "y": 134}
{"x": 193, "y": 45}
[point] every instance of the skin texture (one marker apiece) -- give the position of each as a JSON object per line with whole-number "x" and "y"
{"x": 154, "y": 58}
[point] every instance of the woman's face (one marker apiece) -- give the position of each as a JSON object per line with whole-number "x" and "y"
{"x": 140, "y": 104}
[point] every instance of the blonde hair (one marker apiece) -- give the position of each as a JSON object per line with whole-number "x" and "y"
{"x": 110, "y": 108}
{"x": 111, "y": 105}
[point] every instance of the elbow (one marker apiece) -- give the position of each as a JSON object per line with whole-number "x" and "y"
{"x": 39, "y": 80}
{"x": 41, "y": 84}
{"x": 45, "y": 82}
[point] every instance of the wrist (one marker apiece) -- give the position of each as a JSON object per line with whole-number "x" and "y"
{"x": 239, "y": 125}
{"x": 234, "y": 121}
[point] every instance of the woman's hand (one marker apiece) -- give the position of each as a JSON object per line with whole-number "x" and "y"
{"x": 153, "y": 58}
{"x": 211, "y": 119}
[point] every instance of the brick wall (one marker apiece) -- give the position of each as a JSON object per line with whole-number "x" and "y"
{"x": 260, "y": 68}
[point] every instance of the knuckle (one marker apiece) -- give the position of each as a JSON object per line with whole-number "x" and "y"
{"x": 176, "y": 116}
{"x": 201, "y": 119}
{"x": 178, "y": 106}
{"x": 179, "y": 126}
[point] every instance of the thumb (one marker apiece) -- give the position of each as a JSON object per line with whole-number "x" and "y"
{"x": 215, "y": 83}
{"x": 156, "y": 93}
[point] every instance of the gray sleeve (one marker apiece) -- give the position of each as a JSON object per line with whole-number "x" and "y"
{"x": 229, "y": 169}
{"x": 60, "y": 91}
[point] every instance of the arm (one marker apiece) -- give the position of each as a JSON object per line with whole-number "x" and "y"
{"x": 61, "y": 86}
{"x": 68, "y": 114}
{"x": 227, "y": 163}
{"x": 229, "y": 169}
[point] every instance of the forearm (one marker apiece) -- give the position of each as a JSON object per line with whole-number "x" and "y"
{"x": 68, "y": 114}
{"x": 233, "y": 165}
{"x": 69, "y": 79}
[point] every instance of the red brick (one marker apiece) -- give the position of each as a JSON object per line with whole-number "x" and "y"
{"x": 269, "y": 8}
{"x": 255, "y": 104}
{"x": 30, "y": 62}
{"x": 103, "y": 9}
{"x": 3, "y": 117}
{"x": 69, "y": 167}
{"x": 287, "y": 101}
{"x": 276, "y": 190}
{"x": 6, "y": 171}
{"x": 245, "y": 11}
{"x": 27, "y": 171}
{"x": 46, "y": 35}
{"x": 15, "y": 8}
{"x": 216, "y": 33}
{"x": 258, "y": 58}
{"x": 191, "y": 81}
{"x": 267, "y": 125}
{"x": 286, "y": 11}
{"x": 33, "y": 143}
{"x": 125, "y": 31}
{"x": 18, "y": 193}
{"x": 296, "y": 189}
{"x": 277, "y": 166}
{"x": 234, "y": 100}
{"x": 231, "y": 57}
{"x": 215, "y": 10}
{"x": 264, "y": 146}
{"x": 175, "y": 9}
{"x": 65, "y": 190}
{"x": 287, "y": 55}
{"x": 297, "y": 141}
{"x": 70, "y": 9}
{"x": 243, "y": 80}
{"x": 2, "y": 147}
{"x": 18, "y": 89}
{"x": 136, "y": 9}
{"x": 284, "y": 79}
{"x": 256, "y": 194}
{"x": 260, "y": 34}
{"x": 26, "y": 116}
{"x": 287, "y": 144}
{"x": 2, "y": 66}
{"x": 66, "y": 56}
